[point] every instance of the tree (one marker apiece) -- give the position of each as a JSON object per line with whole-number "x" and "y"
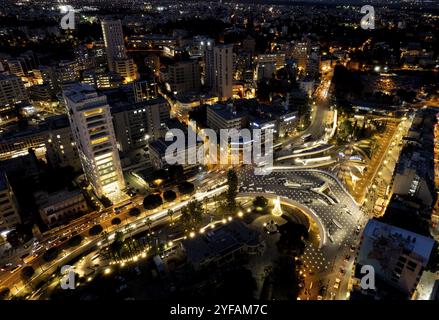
{"x": 51, "y": 254}
{"x": 116, "y": 246}
{"x": 186, "y": 187}
{"x": 169, "y": 195}
{"x": 27, "y": 273}
{"x": 291, "y": 238}
{"x": 260, "y": 201}
{"x": 75, "y": 240}
{"x": 232, "y": 191}
{"x": 116, "y": 221}
{"x": 175, "y": 172}
{"x": 4, "y": 293}
{"x": 185, "y": 218}
{"x": 95, "y": 230}
{"x": 285, "y": 279}
{"x": 152, "y": 201}
{"x": 19, "y": 236}
{"x": 171, "y": 215}
{"x": 106, "y": 202}
{"x": 192, "y": 215}
{"x": 228, "y": 287}
{"x": 148, "y": 223}
{"x": 134, "y": 212}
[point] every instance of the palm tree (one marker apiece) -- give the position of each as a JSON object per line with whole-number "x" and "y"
{"x": 171, "y": 215}
{"x": 116, "y": 246}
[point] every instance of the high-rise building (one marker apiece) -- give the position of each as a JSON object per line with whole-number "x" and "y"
{"x": 114, "y": 43}
{"x": 11, "y": 91}
{"x": 135, "y": 124}
{"x": 184, "y": 76}
{"x": 300, "y": 53}
{"x": 9, "y": 216}
{"x": 209, "y": 65}
{"x": 118, "y": 60}
{"x": 92, "y": 127}
{"x": 223, "y": 66}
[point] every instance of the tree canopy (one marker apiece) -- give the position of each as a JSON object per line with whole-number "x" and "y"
{"x": 152, "y": 201}
{"x": 186, "y": 187}
{"x": 169, "y": 195}
{"x": 95, "y": 230}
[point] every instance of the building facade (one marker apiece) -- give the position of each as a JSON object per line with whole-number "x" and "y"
{"x": 9, "y": 215}
{"x": 92, "y": 127}
{"x": 135, "y": 124}
{"x": 56, "y": 208}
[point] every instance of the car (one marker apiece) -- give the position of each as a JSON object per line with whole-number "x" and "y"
{"x": 347, "y": 258}
{"x": 352, "y": 248}
{"x": 337, "y": 283}
{"x": 342, "y": 272}
{"x": 357, "y": 230}
{"x": 15, "y": 268}
{"x": 319, "y": 298}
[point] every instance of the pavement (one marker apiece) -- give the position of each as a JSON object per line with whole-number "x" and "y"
{"x": 339, "y": 220}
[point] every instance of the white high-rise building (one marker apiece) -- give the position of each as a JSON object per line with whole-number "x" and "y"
{"x": 92, "y": 128}
{"x": 223, "y": 66}
{"x": 114, "y": 43}
{"x": 218, "y": 71}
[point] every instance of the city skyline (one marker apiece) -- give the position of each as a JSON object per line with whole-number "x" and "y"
{"x": 170, "y": 150}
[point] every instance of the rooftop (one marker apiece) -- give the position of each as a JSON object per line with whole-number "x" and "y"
{"x": 220, "y": 241}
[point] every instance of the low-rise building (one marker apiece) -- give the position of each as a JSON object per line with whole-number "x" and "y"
{"x": 397, "y": 256}
{"x": 57, "y": 208}
{"x": 221, "y": 246}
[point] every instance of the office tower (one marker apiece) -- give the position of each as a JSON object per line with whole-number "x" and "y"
{"x": 118, "y": 60}
{"x": 184, "y": 76}
{"x": 137, "y": 123}
{"x": 9, "y": 216}
{"x": 92, "y": 126}
{"x": 223, "y": 66}
{"x": 11, "y": 91}
{"x": 300, "y": 53}
{"x": 113, "y": 39}
{"x": 209, "y": 66}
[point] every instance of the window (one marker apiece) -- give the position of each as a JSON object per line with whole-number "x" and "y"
{"x": 411, "y": 266}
